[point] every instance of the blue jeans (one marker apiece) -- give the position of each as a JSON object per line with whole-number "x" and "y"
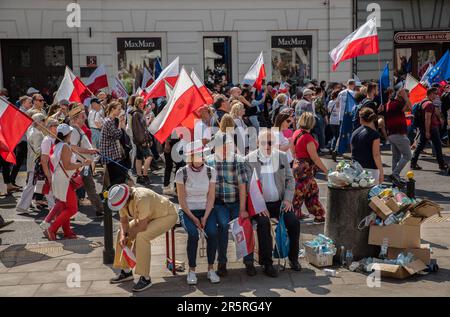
{"x": 192, "y": 231}
{"x": 224, "y": 214}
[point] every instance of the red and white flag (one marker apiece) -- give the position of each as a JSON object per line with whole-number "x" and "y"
{"x": 255, "y": 202}
{"x": 129, "y": 257}
{"x": 147, "y": 78}
{"x": 242, "y": 231}
{"x": 256, "y": 73}
{"x": 118, "y": 90}
{"x": 98, "y": 79}
{"x": 72, "y": 88}
{"x": 363, "y": 41}
{"x": 417, "y": 92}
{"x": 202, "y": 88}
{"x": 283, "y": 88}
{"x": 169, "y": 74}
{"x": 13, "y": 125}
{"x": 185, "y": 99}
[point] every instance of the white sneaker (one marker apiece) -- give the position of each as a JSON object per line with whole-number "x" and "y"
{"x": 213, "y": 277}
{"x": 191, "y": 278}
{"x": 168, "y": 190}
{"x": 44, "y": 225}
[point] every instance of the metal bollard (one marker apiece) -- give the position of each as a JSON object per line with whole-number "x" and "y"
{"x": 410, "y": 185}
{"x": 108, "y": 250}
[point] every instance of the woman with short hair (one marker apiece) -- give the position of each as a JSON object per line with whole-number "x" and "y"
{"x": 306, "y": 164}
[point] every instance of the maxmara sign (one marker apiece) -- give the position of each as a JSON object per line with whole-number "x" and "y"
{"x": 149, "y": 43}
{"x": 292, "y": 41}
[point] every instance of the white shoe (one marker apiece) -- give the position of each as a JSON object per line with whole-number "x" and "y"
{"x": 325, "y": 150}
{"x": 213, "y": 277}
{"x": 44, "y": 225}
{"x": 168, "y": 190}
{"x": 191, "y": 278}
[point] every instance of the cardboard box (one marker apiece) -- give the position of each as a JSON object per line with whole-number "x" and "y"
{"x": 318, "y": 260}
{"x": 392, "y": 204}
{"x": 423, "y": 253}
{"x": 401, "y": 272}
{"x": 426, "y": 209}
{"x": 398, "y": 236}
{"x": 380, "y": 208}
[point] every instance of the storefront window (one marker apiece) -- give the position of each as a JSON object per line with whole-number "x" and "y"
{"x": 425, "y": 57}
{"x": 217, "y": 60}
{"x": 54, "y": 56}
{"x": 133, "y": 55}
{"x": 403, "y": 63}
{"x": 291, "y": 58}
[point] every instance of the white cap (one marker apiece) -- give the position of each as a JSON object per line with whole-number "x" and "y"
{"x": 118, "y": 197}
{"x": 308, "y": 92}
{"x": 32, "y": 91}
{"x": 64, "y": 129}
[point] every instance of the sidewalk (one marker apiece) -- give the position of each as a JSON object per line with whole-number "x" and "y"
{"x": 40, "y": 270}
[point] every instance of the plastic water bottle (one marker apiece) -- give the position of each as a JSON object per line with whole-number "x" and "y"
{"x": 342, "y": 256}
{"x": 390, "y": 220}
{"x": 349, "y": 257}
{"x": 384, "y": 248}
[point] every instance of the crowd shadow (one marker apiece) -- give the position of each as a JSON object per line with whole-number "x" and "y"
{"x": 437, "y": 197}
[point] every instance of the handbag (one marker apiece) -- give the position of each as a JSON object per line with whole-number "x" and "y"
{"x": 76, "y": 180}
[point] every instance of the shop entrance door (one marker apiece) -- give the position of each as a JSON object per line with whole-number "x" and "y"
{"x": 38, "y": 63}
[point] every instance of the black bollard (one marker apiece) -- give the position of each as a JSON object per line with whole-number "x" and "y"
{"x": 108, "y": 251}
{"x": 411, "y": 188}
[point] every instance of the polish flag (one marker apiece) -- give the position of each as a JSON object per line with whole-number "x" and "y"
{"x": 170, "y": 74}
{"x": 363, "y": 41}
{"x": 119, "y": 90}
{"x": 185, "y": 99}
{"x": 98, "y": 79}
{"x": 147, "y": 78}
{"x": 255, "y": 202}
{"x": 201, "y": 86}
{"x": 242, "y": 231}
{"x": 283, "y": 88}
{"x": 417, "y": 92}
{"x": 256, "y": 73}
{"x": 129, "y": 257}
{"x": 13, "y": 125}
{"x": 72, "y": 88}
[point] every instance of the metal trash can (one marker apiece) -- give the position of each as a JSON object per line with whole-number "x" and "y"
{"x": 346, "y": 207}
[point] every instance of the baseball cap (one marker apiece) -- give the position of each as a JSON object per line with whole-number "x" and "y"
{"x": 64, "y": 129}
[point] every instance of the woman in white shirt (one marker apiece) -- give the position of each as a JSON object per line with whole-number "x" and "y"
{"x": 196, "y": 188}
{"x": 283, "y": 122}
{"x": 237, "y": 112}
{"x": 333, "y": 110}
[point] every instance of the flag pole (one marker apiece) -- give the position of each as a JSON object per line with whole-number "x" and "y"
{"x": 379, "y": 78}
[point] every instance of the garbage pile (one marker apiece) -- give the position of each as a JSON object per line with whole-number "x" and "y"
{"x": 395, "y": 225}
{"x": 350, "y": 174}
{"x": 320, "y": 251}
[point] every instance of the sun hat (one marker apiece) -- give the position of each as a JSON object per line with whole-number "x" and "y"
{"x": 75, "y": 111}
{"x": 64, "y": 129}
{"x": 307, "y": 92}
{"x": 118, "y": 197}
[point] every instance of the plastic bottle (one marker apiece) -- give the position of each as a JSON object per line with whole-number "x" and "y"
{"x": 342, "y": 256}
{"x": 390, "y": 220}
{"x": 349, "y": 257}
{"x": 384, "y": 247}
{"x": 330, "y": 272}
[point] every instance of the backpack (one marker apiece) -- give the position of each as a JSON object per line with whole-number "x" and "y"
{"x": 185, "y": 175}
{"x": 418, "y": 114}
{"x": 281, "y": 250}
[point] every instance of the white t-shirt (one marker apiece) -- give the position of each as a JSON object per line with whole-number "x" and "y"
{"x": 202, "y": 131}
{"x": 333, "y": 109}
{"x": 197, "y": 185}
{"x": 269, "y": 187}
{"x": 93, "y": 117}
{"x": 47, "y": 145}
{"x": 85, "y": 144}
{"x": 281, "y": 140}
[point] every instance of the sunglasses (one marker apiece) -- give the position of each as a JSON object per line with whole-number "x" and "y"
{"x": 289, "y": 121}
{"x": 39, "y": 99}
{"x": 264, "y": 143}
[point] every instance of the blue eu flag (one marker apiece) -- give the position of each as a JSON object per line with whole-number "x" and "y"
{"x": 440, "y": 71}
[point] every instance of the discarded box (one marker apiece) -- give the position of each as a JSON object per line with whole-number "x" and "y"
{"x": 382, "y": 209}
{"x": 423, "y": 253}
{"x": 425, "y": 208}
{"x": 318, "y": 259}
{"x": 398, "y": 236}
{"x": 399, "y": 271}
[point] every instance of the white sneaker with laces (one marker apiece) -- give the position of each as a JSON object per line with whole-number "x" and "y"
{"x": 213, "y": 277}
{"x": 168, "y": 190}
{"x": 44, "y": 225}
{"x": 191, "y": 278}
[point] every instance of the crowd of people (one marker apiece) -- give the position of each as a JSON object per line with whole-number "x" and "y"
{"x": 281, "y": 132}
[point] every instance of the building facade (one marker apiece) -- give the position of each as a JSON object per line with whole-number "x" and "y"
{"x": 219, "y": 39}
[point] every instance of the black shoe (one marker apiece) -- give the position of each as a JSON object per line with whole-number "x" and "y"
{"x": 443, "y": 167}
{"x": 222, "y": 269}
{"x": 415, "y": 167}
{"x": 270, "y": 271}
{"x": 295, "y": 265}
{"x": 142, "y": 284}
{"x": 334, "y": 156}
{"x": 4, "y": 223}
{"x": 251, "y": 270}
{"x": 122, "y": 277}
